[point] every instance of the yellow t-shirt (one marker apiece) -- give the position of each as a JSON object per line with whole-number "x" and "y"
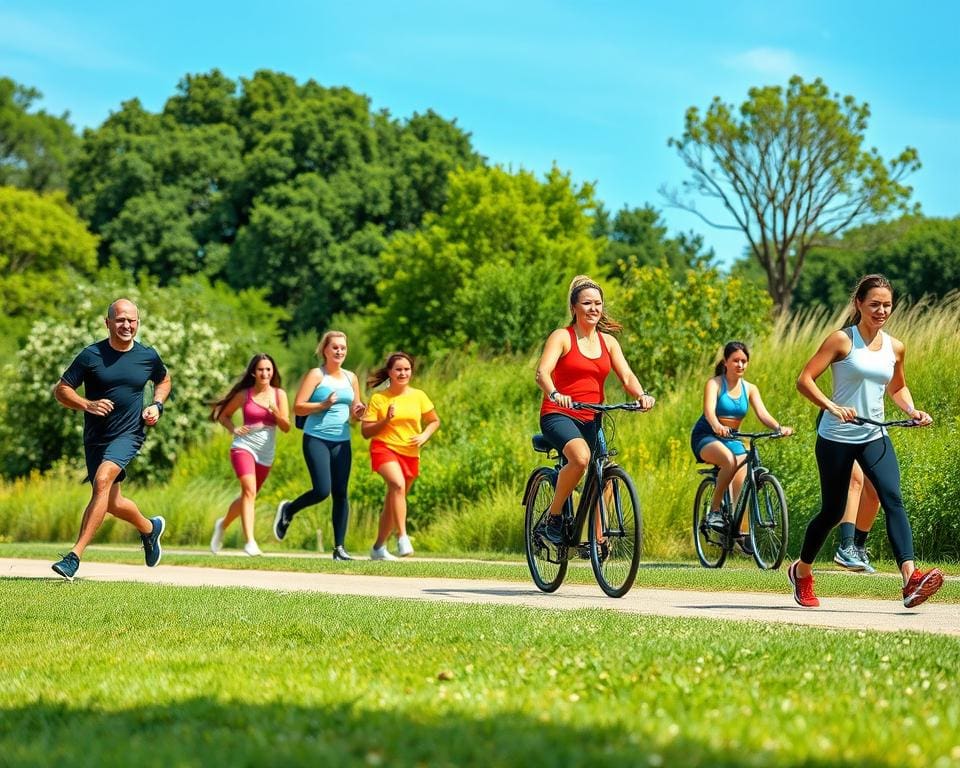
{"x": 408, "y": 410}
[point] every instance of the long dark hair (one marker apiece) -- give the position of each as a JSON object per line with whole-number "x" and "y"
{"x": 732, "y": 346}
{"x": 581, "y": 283}
{"x": 866, "y": 284}
{"x": 245, "y": 382}
{"x": 377, "y": 377}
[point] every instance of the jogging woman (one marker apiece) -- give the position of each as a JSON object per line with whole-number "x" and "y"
{"x": 328, "y": 396}
{"x": 865, "y": 363}
{"x": 398, "y": 421}
{"x": 264, "y": 407}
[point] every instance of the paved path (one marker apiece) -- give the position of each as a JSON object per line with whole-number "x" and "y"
{"x": 840, "y": 613}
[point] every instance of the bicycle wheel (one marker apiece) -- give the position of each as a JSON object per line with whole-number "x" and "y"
{"x": 615, "y": 553}
{"x": 769, "y": 524}
{"x": 708, "y": 542}
{"x": 542, "y": 558}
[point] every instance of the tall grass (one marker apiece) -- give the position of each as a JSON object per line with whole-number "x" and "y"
{"x": 473, "y": 470}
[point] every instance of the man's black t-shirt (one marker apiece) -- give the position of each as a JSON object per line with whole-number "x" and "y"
{"x": 108, "y": 373}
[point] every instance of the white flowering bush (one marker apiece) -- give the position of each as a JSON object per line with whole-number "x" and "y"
{"x": 203, "y": 346}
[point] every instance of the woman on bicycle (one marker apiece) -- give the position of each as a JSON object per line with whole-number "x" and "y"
{"x": 727, "y": 397}
{"x": 573, "y": 368}
{"x": 865, "y": 363}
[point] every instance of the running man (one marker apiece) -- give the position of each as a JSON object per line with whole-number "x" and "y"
{"x": 113, "y": 373}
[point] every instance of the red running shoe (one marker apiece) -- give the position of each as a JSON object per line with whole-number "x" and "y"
{"x": 803, "y": 587}
{"x": 921, "y": 586}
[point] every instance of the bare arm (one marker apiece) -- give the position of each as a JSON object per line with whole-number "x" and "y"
{"x": 301, "y": 403}
{"x": 68, "y": 397}
{"x": 556, "y": 346}
{"x": 225, "y": 419}
{"x": 900, "y": 393}
{"x": 282, "y": 412}
{"x": 710, "y": 390}
{"x": 370, "y": 427}
{"x": 359, "y": 407}
{"x": 161, "y": 391}
{"x": 431, "y": 426}
{"x": 835, "y": 347}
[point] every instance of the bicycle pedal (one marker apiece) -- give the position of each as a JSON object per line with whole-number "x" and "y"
{"x": 583, "y": 551}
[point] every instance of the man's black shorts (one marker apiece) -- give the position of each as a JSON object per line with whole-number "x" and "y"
{"x": 120, "y": 451}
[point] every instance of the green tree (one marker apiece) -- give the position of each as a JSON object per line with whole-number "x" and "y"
{"x": 491, "y": 268}
{"x": 638, "y": 237}
{"x": 921, "y": 256}
{"x": 791, "y": 172}
{"x": 36, "y": 148}
{"x": 264, "y": 183}
{"x": 44, "y": 247}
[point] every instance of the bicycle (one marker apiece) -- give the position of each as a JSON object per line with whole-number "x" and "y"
{"x": 609, "y": 496}
{"x": 761, "y": 494}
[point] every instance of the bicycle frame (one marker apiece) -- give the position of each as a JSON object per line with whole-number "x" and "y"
{"x": 733, "y": 514}
{"x": 590, "y": 497}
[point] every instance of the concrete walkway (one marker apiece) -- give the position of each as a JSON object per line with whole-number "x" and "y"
{"x": 839, "y": 613}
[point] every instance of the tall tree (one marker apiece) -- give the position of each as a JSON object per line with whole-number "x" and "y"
{"x": 791, "y": 171}
{"x": 35, "y": 147}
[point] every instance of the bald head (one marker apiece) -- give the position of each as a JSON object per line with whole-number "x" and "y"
{"x": 122, "y": 306}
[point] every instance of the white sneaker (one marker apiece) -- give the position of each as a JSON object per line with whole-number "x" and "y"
{"x": 404, "y": 547}
{"x": 380, "y": 553}
{"x": 216, "y": 541}
{"x": 252, "y": 549}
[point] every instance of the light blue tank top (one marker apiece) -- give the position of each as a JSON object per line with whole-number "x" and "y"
{"x": 332, "y": 424}
{"x": 727, "y": 407}
{"x": 859, "y": 381}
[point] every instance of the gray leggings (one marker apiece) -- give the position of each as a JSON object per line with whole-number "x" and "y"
{"x": 879, "y": 463}
{"x": 329, "y": 466}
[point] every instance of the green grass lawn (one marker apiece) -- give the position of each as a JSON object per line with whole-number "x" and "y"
{"x": 740, "y": 574}
{"x": 104, "y": 674}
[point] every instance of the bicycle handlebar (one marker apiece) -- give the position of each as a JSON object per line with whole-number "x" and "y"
{"x": 894, "y": 423}
{"x": 757, "y": 435}
{"x": 604, "y": 407}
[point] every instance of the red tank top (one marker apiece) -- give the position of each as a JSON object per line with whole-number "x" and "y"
{"x": 580, "y": 377}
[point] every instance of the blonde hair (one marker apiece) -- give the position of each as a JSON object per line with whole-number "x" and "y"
{"x": 584, "y": 282}
{"x": 324, "y": 340}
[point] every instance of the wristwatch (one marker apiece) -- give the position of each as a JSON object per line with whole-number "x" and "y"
{"x": 159, "y": 406}
{"x": 553, "y": 395}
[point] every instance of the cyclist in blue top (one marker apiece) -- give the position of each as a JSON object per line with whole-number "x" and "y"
{"x": 727, "y": 397}
{"x": 328, "y": 397}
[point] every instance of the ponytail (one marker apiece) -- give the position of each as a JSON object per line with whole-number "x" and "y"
{"x": 720, "y": 369}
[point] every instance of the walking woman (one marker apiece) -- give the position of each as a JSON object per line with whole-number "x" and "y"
{"x": 328, "y": 397}
{"x": 573, "y": 368}
{"x": 264, "y": 407}
{"x": 727, "y": 397}
{"x": 865, "y": 363}
{"x": 398, "y": 421}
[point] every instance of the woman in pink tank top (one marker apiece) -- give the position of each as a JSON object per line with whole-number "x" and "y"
{"x": 263, "y": 404}
{"x": 573, "y": 368}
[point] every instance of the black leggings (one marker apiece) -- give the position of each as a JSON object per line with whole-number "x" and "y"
{"x": 329, "y": 466}
{"x": 879, "y": 463}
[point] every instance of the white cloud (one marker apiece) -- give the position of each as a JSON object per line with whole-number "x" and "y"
{"x": 769, "y": 62}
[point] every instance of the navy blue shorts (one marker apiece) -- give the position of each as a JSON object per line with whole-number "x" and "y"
{"x": 120, "y": 452}
{"x": 560, "y": 429}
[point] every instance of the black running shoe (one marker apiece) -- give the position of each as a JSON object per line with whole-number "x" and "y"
{"x": 67, "y": 567}
{"x": 280, "y": 521}
{"x": 151, "y": 541}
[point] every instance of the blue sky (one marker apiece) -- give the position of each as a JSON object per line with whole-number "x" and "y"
{"x": 596, "y": 87}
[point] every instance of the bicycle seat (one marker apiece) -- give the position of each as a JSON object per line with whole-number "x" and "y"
{"x": 541, "y": 444}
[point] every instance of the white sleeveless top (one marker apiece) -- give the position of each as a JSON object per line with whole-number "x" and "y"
{"x": 859, "y": 381}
